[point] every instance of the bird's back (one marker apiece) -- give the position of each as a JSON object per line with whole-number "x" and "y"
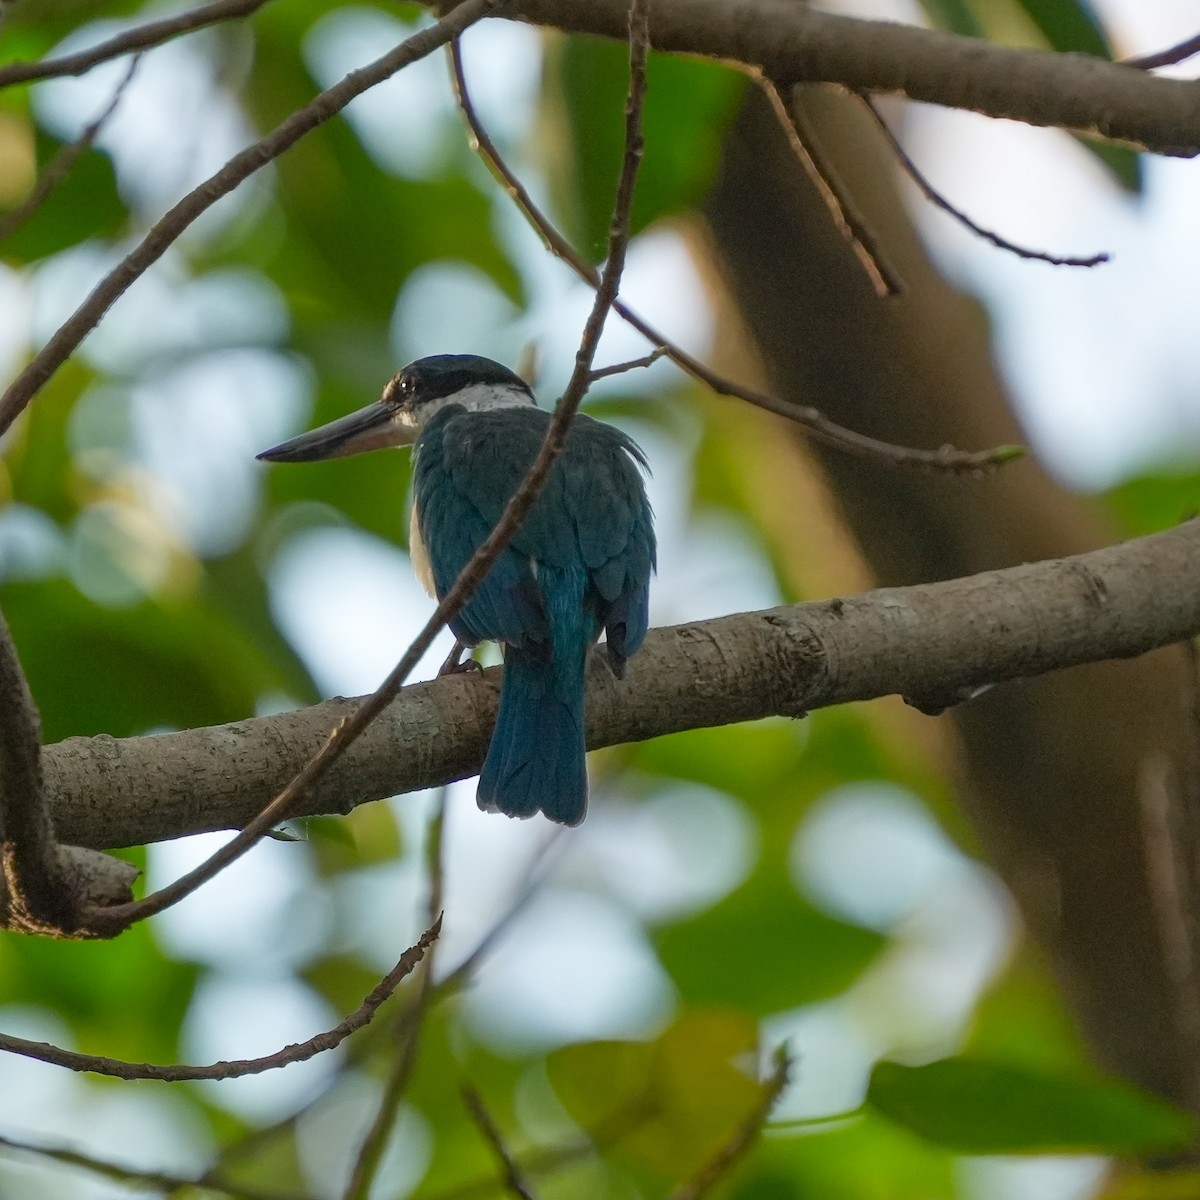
{"x": 592, "y": 516}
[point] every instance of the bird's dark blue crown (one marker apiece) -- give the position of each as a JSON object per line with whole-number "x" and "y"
{"x": 440, "y": 375}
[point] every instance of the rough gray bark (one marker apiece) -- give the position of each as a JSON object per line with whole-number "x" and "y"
{"x": 792, "y": 43}
{"x": 934, "y": 643}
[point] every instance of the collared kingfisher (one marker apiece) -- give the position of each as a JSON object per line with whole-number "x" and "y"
{"x": 580, "y": 563}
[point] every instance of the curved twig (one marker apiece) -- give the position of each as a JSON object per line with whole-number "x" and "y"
{"x": 60, "y": 165}
{"x": 154, "y": 33}
{"x": 119, "y": 1173}
{"x": 116, "y": 1068}
{"x": 240, "y": 167}
{"x": 45, "y": 888}
{"x": 938, "y": 200}
{"x": 850, "y": 223}
{"x": 1166, "y": 58}
{"x": 343, "y": 736}
{"x": 946, "y": 458}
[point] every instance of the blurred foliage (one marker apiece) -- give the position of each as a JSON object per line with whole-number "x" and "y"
{"x": 1156, "y": 501}
{"x": 128, "y": 624}
{"x": 986, "y": 1108}
{"x": 687, "y": 102}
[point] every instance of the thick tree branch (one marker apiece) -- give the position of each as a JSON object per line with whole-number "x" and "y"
{"x": 930, "y": 643}
{"x": 44, "y": 887}
{"x": 1049, "y": 771}
{"x": 792, "y": 42}
{"x": 111, "y": 920}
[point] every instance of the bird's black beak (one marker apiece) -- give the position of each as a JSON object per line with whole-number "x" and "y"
{"x": 371, "y": 428}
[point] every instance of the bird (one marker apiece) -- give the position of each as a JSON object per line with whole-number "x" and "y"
{"x": 579, "y": 565}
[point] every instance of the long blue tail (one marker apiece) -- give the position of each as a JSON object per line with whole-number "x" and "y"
{"x": 537, "y": 760}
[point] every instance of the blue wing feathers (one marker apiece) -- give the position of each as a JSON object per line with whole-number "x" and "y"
{"x": 581, "y": 562}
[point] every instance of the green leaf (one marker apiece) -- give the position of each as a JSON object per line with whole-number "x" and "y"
{"x": 954, "y": 16}
{"x": 368, "y": 835}
{"x": 990, "y": 1108}
{"x": 84, "y": 205}
{"x": 669, "y": 1103}
{"x": 88, "y": 985}
{"x": 1068, "y": 25}
{"x": 850, "y": 1160}
{"x": 1156, "y": 502}
{"x": 123, "y": 671}
{"x": 764, "y": 949}
{"x": 1124, "y": 163}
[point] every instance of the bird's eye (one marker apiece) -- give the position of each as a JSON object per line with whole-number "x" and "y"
{"x": 400, "y": 388}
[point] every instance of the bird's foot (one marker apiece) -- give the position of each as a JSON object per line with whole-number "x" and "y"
{"x": 455, "y": 664}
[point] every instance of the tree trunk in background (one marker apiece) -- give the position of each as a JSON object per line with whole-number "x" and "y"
{"x": 1057, "y": 772}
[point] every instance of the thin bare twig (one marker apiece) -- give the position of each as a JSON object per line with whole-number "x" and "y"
{"x": 535, "y": 875}
{"x": 514, "y": 1180}
{"x": 634, "y": 364}
{"x": 239, "y": 168}
{"x": 947, "y": 458}
{"x": 847, "y": 1114}
{"x": 233, "y": 1068}
{"x": 154, "y": 33}
{"x": 1166, "y": 58}
{"x": 132, "y": 1175}
{"x": 524, "y": 497}
{"x": 729, "y": 1154}
{"x": 61, "y": 164}
{"x": 847, "y": 219}
{"x": 251, "y": 1143}
{"x": 936, "y": 198}
{"x": 435, "y": 856}
{"x": 112, "y": 919}
{"x": 547, "y": 1160}
{"x": 370, "y": 1154}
